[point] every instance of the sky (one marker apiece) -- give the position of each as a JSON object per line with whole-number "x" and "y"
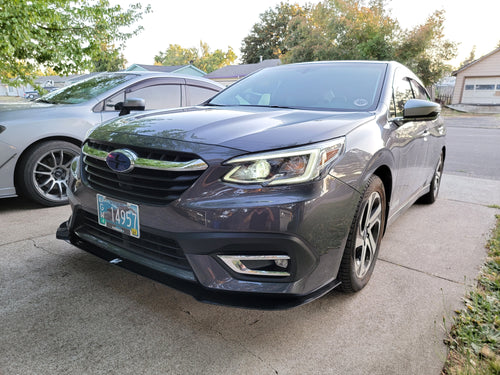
{"x": 224, "y": 23}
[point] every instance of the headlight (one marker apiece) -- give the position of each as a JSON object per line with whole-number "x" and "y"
{"x": 291, "y": 166}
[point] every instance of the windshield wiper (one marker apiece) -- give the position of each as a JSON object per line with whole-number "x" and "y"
{"x": 215, "y": 105}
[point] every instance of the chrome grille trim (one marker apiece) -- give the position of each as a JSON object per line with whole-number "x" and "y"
{"x": 157, "y": 186}
{"x": 174, "y": 166}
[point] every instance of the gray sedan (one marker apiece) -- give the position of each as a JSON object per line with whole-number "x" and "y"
{"x": 274, "y": 192}
{"x": 37, "y": 142}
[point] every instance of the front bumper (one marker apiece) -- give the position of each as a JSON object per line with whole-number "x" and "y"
{"x": 186, "y": 281}
{"x": 182, "y": 244}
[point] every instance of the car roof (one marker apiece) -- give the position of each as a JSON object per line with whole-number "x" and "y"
{"x": 150, "y": 74}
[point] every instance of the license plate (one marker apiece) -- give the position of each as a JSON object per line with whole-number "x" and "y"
{"x": 118, "y": 215}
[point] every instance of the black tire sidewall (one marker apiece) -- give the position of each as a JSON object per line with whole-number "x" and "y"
{"x": 350, "y": 282}
{"x": 432, "y": 195}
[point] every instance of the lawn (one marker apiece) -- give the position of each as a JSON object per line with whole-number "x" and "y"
{"x": 474, "y": 340}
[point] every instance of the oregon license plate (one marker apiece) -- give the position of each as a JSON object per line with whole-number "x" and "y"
{"x": 118, "y": 215}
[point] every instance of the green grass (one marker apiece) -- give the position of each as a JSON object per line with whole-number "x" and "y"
{"x": 474, "y": 340}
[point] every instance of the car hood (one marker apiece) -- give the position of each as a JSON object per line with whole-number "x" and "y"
{"x": 4, "y": 107}
{"x": 249, "y": 129}
{"x": 35, "y": 111}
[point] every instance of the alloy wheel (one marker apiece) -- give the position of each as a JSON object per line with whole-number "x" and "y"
{"x": 51, "y": 172}
{"x": 367, "y": 237}
{"x": 437, "y": 177}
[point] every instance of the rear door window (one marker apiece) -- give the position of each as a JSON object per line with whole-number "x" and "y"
{"x": 158, "y": 96}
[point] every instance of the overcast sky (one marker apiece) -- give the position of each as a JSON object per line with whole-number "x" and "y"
{"x": 223, "y": 23}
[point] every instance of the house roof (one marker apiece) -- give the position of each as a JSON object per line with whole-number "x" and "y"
{"x": 475, "y": 62}
{"x": 238, "y": 71}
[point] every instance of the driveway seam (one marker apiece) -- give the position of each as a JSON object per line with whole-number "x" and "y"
{"x": 422, "y": 272}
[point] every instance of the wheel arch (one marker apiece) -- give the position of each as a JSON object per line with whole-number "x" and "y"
{"x": 384, "y": 173}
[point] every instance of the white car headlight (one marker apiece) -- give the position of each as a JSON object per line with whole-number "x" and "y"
{"x": 290, "y": 166}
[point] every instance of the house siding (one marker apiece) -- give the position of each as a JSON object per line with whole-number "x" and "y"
{"x": 488, "y": 66}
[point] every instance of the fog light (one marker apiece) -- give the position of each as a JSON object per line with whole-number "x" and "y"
{"x": 258, "y": 265}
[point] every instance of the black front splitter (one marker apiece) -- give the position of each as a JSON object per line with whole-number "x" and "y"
{"x": 226, "y": 298}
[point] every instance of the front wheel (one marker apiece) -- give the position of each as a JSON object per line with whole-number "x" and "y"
{"x": 364, "y": 238}
{"x": 42, "y": 174}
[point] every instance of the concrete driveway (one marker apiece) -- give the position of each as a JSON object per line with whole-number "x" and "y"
{"x": 63, "y": 311}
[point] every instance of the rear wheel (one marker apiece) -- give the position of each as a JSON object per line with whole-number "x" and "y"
{"x": 43, "y": 173}
{"x": 431, "y": 196}
{"x": 364, "y": 238}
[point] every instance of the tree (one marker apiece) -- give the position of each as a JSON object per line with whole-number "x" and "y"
{"x": 109, "y": 60}
{"x": 425, "y": 50}
{"x": 66, "y": 36}
{"x": 266, "y": 40}
{"x": 342, "y": 30}
{"x": 202, "y": 58}
{"x": 356, "y": 30}
{"x": 176, "y": 55}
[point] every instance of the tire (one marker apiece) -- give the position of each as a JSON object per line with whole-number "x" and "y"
{"x": 42, "y": 173}
{"x": 432, "y": 195}
{"x": 365, "y": 236}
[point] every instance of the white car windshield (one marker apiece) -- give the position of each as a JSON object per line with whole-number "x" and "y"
{"x": 82, "y": 91}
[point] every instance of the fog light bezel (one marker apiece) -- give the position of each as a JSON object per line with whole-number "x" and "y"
{"x": 236, "y": 264}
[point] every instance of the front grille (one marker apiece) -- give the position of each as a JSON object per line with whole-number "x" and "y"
{"x": 141, "y": 185}
{"x": 150, "y": 245}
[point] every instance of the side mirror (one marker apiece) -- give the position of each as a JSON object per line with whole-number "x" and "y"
{"x": 421, "y": 110}
{"x": 130, "y": 104}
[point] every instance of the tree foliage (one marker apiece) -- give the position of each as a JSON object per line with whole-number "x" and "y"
{"x": 110, "y": 59}
{"x": 67, "y": 36}
{"x": 425, "y": 50}
{"x": 354, "y": 30}
{"x": 267, "y": 38}
{"x": 201, "y": 57}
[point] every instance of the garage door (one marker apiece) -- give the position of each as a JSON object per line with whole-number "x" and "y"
{"x": 482, "y": 90}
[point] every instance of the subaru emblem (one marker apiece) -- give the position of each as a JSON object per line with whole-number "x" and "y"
{"x": 121, "y": 160}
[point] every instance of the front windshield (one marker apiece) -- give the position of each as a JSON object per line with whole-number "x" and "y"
{"x": 82, "y": 91}
{"x": 327, "y": 86}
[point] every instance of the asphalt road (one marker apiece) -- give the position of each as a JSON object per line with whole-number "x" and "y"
{"x": 63, "y": 311}
{"x": 474, "y": 146}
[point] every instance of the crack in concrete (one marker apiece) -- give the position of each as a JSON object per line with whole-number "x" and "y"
{"x": 25, "y": 239}
{"x": 37, "y": 246}
{"x": 422, "y": 272}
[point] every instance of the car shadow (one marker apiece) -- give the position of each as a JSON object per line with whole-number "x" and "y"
{"x": 18, "y": 203}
